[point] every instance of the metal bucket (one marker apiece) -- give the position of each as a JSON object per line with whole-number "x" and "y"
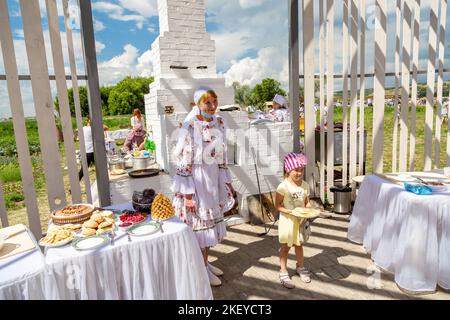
{"x": 342, "y": 199}
{"x": 142, "y": 162}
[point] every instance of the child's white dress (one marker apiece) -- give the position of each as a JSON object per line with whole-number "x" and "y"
{"x": 201, "y": 170}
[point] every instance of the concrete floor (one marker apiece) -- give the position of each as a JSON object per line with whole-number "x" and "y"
{"x": 340, "y": 269}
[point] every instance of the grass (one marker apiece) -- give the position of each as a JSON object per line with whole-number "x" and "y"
{"x": 388, "y": 135}
{"x": 10, "y": 171}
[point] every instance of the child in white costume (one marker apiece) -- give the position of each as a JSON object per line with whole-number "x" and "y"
{"x": 202, "y": 183}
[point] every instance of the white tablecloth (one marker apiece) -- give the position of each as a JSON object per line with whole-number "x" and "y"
{"x": 121, "y": 187}
{"x": 23, "y": 276}
{"x": 118, "y": 134}
{"x": 165, "y": 265}
{"x": 406, "y": 234}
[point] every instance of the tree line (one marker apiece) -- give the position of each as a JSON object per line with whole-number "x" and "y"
{"x": 118, "y": 99}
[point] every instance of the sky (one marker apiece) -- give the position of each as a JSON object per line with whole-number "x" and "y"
{"x": 251, "y": 38}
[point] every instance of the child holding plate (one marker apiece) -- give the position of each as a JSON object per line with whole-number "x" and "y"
{"x": 292, "y": 193}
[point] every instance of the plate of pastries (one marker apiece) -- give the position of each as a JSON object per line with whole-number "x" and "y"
{"x": 100, "y": 222}
{"x": 162, "y": 208}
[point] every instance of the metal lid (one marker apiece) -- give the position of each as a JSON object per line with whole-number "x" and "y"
{"x": 340, "y": 188}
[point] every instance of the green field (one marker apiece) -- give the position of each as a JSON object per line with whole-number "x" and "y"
{"x": 388, "y": 138}
{"x": 10, "y": 171}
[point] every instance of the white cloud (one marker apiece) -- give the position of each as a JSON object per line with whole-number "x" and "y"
{"x": 145, "y": 65}
{"x": 145, "y": 8}
{"x": 116, "y": 12}
{"x": 237, "y": 31}
{"x": 128, "y": 63}
{"x": 98, "y": 25}
{"x": 270, "y": 62}
{"x": 230, "y": 46}
{"x": 250, "y": 3}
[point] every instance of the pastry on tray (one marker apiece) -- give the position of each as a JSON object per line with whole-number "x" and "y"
{"x": 97, "y": 217}
{"x": 91, "y": 224}
{"x": 73, "y": 210}
{"x": 162, "y": 208}
{"x": 88, "y": 232}
{"x": 305, "y": 212}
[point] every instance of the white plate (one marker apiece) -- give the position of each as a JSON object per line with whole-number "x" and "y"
{"x": 144, "y": 229}
{"x": 404, "y": 178}
{"x": 58, "y": 244}
{"x": 90, "y": 243}
{"x": 439, "y": 188}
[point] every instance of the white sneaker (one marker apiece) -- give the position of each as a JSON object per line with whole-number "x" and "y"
{"x": 214, "y": 281}
{"x": 215, "y": 270}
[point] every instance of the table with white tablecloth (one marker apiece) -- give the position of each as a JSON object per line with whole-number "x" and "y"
{"x": 23, "y": 276}
{"x": 406, "y": 234}
{"x": 119, "y": 134}
{"x": 161, "y": 266}
{"x": 166, "y": 265}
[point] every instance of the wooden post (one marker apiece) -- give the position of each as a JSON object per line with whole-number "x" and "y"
{"x": 432, "y": 38}
{"x": 440, "y": 84}
{"x": 308, "y": 70}
{"x": 403, "y": 152}
{"x": 322, "y": 100}
{"x": 412, "y": 134}
{"x": 398, "y": 15}
{"x": 345, "y": 55}
{"x": 76, "y": 99}
{"x": 379, "y": 86}
{"x": 294, "y": 79}
{"x": 95, "y": 106}
{"x": 354, "y": 84}
{"x": 15, "y": 100}
{"x": 330, "y": 100}
{"x": 42, "y": 96}
{"x": 64, "y": 108}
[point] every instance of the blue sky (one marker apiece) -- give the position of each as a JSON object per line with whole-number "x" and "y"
{"x": 251, "y": 40}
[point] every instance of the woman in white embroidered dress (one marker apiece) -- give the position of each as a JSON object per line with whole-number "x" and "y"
{"x": 202, "y": 183}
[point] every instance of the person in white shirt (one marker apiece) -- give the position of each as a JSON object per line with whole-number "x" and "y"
{"x": 137, "y": 118}
{"x": 89, "y": 145}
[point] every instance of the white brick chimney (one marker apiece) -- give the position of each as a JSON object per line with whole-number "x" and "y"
{"x": 184, "y": 57}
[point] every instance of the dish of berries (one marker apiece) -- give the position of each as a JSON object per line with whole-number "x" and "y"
{"x": 131, "y": 217}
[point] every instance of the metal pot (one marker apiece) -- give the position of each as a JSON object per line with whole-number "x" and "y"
{"x": 142, "y": 162}
{"x": 116, "y": 164}
{"x": 342, "y": 199}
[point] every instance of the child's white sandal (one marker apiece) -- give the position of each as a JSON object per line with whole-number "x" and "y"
{"x": 286, "y": 281}
{"x": 304, "y": 274}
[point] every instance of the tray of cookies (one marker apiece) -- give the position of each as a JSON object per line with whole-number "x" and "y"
{"x": 57, "y": 237}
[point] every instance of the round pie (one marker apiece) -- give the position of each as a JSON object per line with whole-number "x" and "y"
{"x": 74, "y": 210}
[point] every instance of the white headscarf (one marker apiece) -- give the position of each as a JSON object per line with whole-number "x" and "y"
{"x": 280, "y": 100}
{"x": 199, "y": 92}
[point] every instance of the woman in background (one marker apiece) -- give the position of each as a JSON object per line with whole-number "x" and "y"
{"x": 137, "y": 118}
{"x": 136, "y": 137}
